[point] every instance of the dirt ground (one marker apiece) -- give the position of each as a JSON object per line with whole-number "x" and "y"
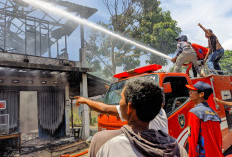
{"x": 46, "y": 153}
{"x": 48, "y": 148}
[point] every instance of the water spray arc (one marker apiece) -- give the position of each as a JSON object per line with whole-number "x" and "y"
{"x": 57, "y": 11}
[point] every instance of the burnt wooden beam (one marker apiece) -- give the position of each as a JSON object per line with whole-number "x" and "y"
{"x": 39, "y": 63}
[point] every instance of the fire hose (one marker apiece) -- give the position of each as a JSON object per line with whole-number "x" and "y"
{"x": 79, "y": 154}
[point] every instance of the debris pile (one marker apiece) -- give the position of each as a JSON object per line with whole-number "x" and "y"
{"x": 50, "y": 147}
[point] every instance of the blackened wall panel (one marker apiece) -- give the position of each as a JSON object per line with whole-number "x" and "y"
{"x": 51, "y": 113}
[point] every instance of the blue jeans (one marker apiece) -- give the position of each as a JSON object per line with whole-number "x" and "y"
{"x": 213, "y": 60}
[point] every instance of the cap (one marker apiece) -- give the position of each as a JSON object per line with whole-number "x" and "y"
{"x": 191, "y": 87}
{"x": 202, "y": 87}
{"x": 182, "y": 38}
{"x": 177, "y": 38}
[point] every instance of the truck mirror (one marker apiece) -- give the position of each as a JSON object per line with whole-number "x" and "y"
{"x": 167, "y": 87}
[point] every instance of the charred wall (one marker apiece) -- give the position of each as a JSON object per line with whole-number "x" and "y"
{"x": 50, "y": 99}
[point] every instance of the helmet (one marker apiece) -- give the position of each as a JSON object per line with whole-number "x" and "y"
{"x": 182, "y": 38}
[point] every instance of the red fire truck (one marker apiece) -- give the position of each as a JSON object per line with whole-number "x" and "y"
{"x": 177, "y": 102}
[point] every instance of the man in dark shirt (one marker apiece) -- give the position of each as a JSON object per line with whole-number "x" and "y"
{"x": 215, "y": 52}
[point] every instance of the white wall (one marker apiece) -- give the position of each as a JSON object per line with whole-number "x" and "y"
{"x": 28, "y": 111}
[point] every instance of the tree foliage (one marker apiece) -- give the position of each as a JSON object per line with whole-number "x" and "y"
{"x": 142, "y": 20}
{"x": 226, "y": 61}
{"x": 157, "y": 29}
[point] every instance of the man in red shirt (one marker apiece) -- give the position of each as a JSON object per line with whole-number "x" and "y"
{"x": 201, "y": 53}
{"x": 205, "y": 138}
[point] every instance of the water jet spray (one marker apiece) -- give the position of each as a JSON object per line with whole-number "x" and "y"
{"x": 57, "y": 11}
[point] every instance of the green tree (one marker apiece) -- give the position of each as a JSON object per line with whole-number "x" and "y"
{"x": 226, "y": 61}
{"x": 142, "y": 20}
{"x": 157, "y": 29}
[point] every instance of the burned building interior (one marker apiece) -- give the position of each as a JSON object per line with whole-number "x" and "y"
{"x": 37, "y": 78}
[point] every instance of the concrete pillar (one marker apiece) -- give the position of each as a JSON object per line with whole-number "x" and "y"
{"x": 85, "y": 111}
{"x": 67, "y": 109}
{"x": 67, "y": 103}
{"x": 84, "y": 87}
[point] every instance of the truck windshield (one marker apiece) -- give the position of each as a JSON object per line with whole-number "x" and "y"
{"x": 113, "y": 96}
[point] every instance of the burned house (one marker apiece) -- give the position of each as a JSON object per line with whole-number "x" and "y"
{"x": 37, "y": 78}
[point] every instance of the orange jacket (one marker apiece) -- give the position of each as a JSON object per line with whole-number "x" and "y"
{"x": 200, "y": 51}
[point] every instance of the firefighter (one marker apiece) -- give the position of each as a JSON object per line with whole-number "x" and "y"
{"x": 185, "y": 53}
{"x": 205, "y": 138}
{"x": 215, "y": 52}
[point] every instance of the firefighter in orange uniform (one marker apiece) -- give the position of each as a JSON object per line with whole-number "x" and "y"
{"x": 205, "y": 138}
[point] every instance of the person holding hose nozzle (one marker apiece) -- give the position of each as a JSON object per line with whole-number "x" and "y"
{"x": 185, "y": 53}
{"x": 215, "y": 52}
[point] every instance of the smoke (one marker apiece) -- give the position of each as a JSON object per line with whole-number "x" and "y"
{"x": 57, "y": 11}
